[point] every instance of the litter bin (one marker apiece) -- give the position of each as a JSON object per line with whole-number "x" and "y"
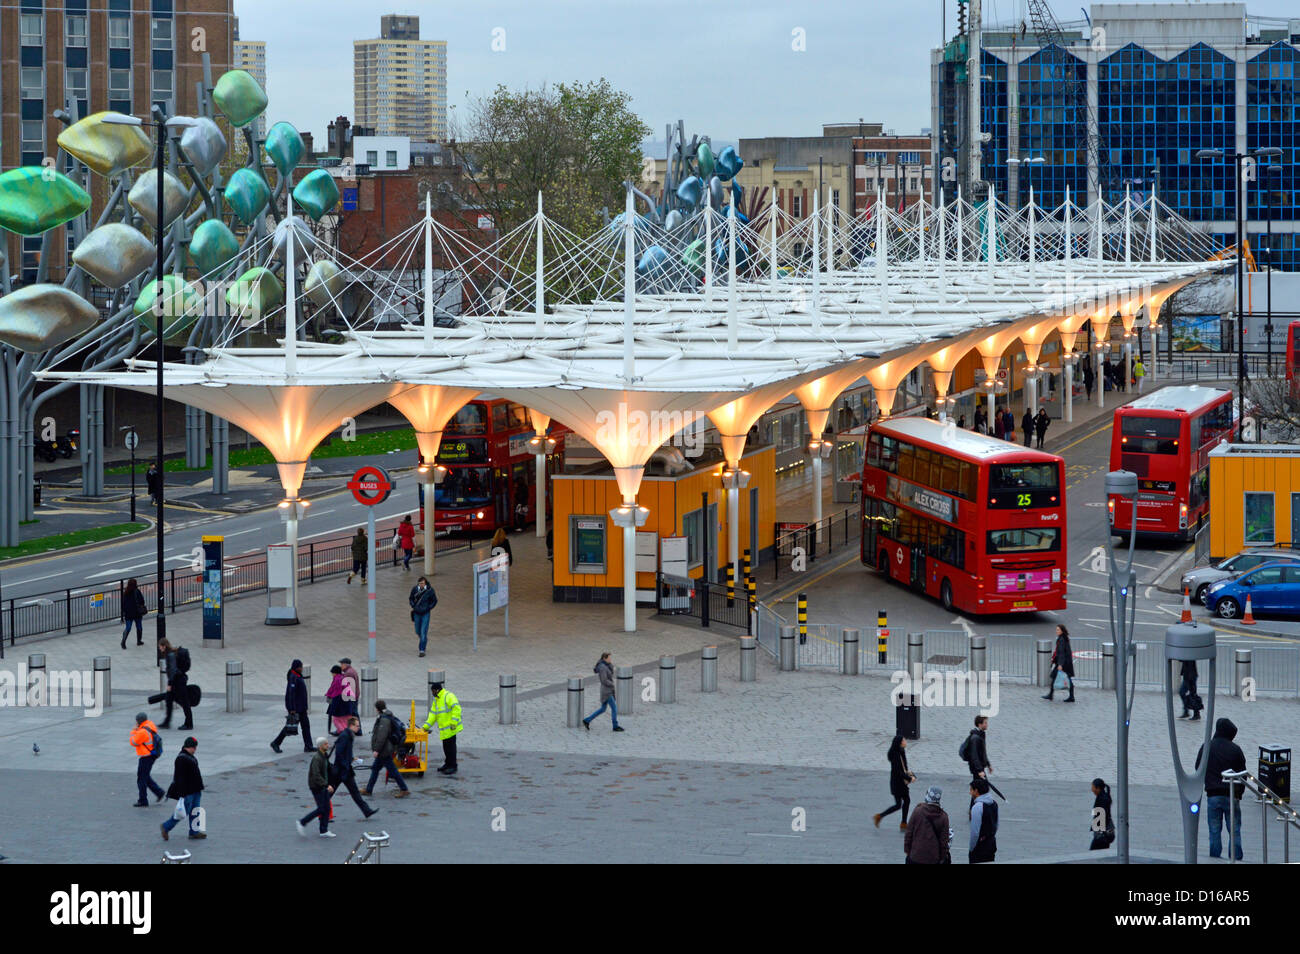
{"x": 36, "y": 492}
{"x": 907, "y": 717}
{"x": 1275, "y": 770}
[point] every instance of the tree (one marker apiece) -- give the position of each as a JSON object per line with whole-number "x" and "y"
{"x": 1276, "y": 409}
{"x": 576, "y": 144}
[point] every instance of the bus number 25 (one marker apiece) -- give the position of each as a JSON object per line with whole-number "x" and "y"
{"x": 1024, "y": 500}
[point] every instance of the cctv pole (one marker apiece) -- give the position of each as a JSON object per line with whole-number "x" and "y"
{"x": 1123, "y": 614}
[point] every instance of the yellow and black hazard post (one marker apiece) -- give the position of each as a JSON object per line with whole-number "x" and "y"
{"x": 751, "y": 585}
{"x": 803, "y": 618}
{"x": 882, "y": 636}
{"x": 731, "y": 585}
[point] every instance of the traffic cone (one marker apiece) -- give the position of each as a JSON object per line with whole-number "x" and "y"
{"x": 1187, "y": 608}
{"x": 1249, "y": 617}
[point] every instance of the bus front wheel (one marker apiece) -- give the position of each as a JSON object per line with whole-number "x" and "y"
{"x": 945, "y": 596}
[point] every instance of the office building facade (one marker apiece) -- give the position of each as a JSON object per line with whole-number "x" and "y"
{"x": 1127, "y": 101}
{"x": 250, "y": 56}
{"x": 400, "y": 82}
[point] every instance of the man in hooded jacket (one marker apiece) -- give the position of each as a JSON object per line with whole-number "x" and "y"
{"x": 928, "y": 832}
{"x": 1225, "y": 755}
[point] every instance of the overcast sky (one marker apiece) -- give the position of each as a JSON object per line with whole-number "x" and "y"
{"x": 728, "y": 69}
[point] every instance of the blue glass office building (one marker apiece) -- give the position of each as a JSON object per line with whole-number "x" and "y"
{"x": 1165, "y": 80}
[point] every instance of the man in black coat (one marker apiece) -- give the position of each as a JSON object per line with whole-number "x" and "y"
{"x": 1062, "y": 661}
{"x": 1225, "y": 755}
{"x": 295, "y": 704}
{"x": 152, "y": 480}
{"x": 977, "y": 753}
{"x": 342, "y": 772}
{"x": 1089, "y": 376}
{"x": 1187, "y": 691}
{"x": 383, "y": 749}
{"x": 1027, "y": 426}
{"x": 178, "y": 687}
{"x": 186, "y": 787}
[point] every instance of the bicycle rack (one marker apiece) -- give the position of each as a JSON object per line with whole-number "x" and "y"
{"x": 373, "y": 842}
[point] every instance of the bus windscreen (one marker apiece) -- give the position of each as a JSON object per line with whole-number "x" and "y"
{"x": 1022, "y": 486}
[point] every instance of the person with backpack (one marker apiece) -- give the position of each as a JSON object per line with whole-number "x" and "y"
{"x": 133, "y": 611}
{"x": 360, "y": 555}
{"x": 1103, "y": 824}
{"x": 974, "y": 750}
{"x": 1062, "y": 662}
{"x": 186, "y": 788}
{"x": 1192, "y": 703}
{"x": 343, "y": 773}
{"x": 406, "y": 539}
{"x": 1225, "y": 755}
{"x": 388, "y": 733}
{"x": 148, "y": 747}
{"x": 899, "y": 779}
{"x": 295, "y": 708}
{"x": 605, "y": 672}
{"x": 929, "y": 832}
{"x": 983, "y": 823}
{"x": 178, "y": 683}
{"x": 423, "y": 600}
{"x": 318, "y": 783}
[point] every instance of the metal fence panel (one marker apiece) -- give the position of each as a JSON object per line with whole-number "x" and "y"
{"x": 767, "y": 629}
{"x": 946, "y": 650}
{"x": 1012, "y": 657}
{"x": 822, "y": 649}
{"x": 869, "y": 652}
{"x": 1087, "y": 660}
{"x": 1203, "y": 544}
{"x": 1276, "y": 669}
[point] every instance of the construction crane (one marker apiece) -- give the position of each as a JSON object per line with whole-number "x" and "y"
{"x": 1074, "y": 92}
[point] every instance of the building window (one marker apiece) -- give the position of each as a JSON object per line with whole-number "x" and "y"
{"x": 76, "y": 31}
{"x": 796, "y": 206}
{"x": 119, "y": 33}
{"x": 119, "y": 81}
{"x": 76, "y": 83}
{"x": 32, "y": 29}
{"x": 33, "y": 82}
{"x": 835, "y": 198}
{"x": 1259, "y": 518}
{"x": 372, "y": 157}
{"x": 162, "y": 82}
{"x": 33, "y": 143}
{"x": 161, "y": 34}
{"x": 390, "y": 158}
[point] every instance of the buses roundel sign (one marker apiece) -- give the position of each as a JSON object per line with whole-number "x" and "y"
{"x": 370, "y": 485}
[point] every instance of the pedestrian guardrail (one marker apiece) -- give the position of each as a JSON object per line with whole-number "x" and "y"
{"x": 817, "y": 540}
{"x": 710, "y": 603}
{"x": 62, "y": 611}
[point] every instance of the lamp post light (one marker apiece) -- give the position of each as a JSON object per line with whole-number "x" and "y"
{"x": 734, "y": 481}
{"x": 131, "y": 440}
{"x": 542, "y": 447}
{"x": 629, "y": 516}
{"x": 1185, "y": 642}
{"x": 159, "y": 161}
{"x": 293, "y": 509}
{"x": 1123, "y": 615}
{"x": 1239, "y": 158}
{"x": 1028, "y": 162}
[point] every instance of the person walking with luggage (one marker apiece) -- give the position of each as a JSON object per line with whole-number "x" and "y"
{"x": 178, "y": 683}
{"x": 1103, "y": 824}
{"x": 1041, "y": 422}
{"x": 983, "y": 823}
{"x": 928, "y": 832}
{"x": 148, "y": 747}
{"x": 1187, "y": 691}
{"x": 974, "y": 751}
{"x": 900, "y": 777}
{"x": 343, "y": 773}
{"x": 605, "y": 671}
{"x": 295, "y": 708}
{"x": 1225, "y": 755}
{"x": 186, "y": 788}
{"x": 1062, "y": 662}
{"x": 133, "y": 611}
{"x": 318, "y": 783}
{"x": 422, "y": 599}
{"x": 406, "y": 539}
{"x": 1027, "y": 427}
{"x": 360, "y": 555}
{"x": 445, "y": 712}
{"x": 383, "y": 747}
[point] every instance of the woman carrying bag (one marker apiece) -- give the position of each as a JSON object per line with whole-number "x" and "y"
{"x": 337, "y": 708}
{"x": 899, "y": 778}
{"x": 1103, "y": 825}
{"x": 1062, "y": 664}
{"x": 133, "y": 611}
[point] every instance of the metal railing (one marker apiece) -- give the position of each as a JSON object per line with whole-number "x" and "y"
{"x": 1266, "y": 799}
{"x": 707, "y": 602}
{"x": 1216, "y": 366}
{"x": 1202, "y": 555}
{"x": 819, "y": 539}
{"x": 62, "y": 611}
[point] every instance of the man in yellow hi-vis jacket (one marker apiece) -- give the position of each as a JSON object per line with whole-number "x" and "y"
{"x": 446, "y": 713}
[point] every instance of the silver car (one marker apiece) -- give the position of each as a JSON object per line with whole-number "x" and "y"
{"x": 1198, "y": 581}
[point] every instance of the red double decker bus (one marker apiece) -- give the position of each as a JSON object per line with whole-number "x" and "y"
{"x": 490, "y": 467}
{"x": 976, "y": 522}
{"x": 1165, "y": 438}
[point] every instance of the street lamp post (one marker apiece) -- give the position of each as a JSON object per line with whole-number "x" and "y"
{"x": 1028, "y": 162}
{"x": 1268, "y": 256}
{"x": 160, "y": 329}
{"x": 1188, "y": 642}
{"x": 1238, "y": 159}
{"x": 1123, "y": 615}
{"x": 131, "y": 440}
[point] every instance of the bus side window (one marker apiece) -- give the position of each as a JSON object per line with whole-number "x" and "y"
{"x": 950, "y": 476}
{"x": 889, "y": 454}
{"x": 969, "y": 475}
{"x": 906, "y": 460}
{"x": 873, "y": 451}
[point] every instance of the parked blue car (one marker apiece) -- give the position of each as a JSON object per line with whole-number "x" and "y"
{"x": 1274, "y": 589}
